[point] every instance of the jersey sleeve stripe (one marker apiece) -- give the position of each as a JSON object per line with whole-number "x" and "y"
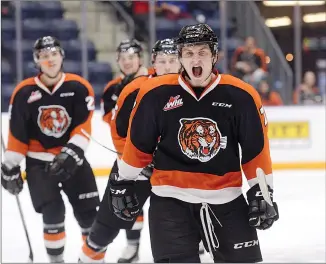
{"x": 29, "y": 81}
{"x": 118, "y": 141}
{"x": 263, "y": 159}
{"x": 135, "y": 157}
{"x": 16, "y": 145}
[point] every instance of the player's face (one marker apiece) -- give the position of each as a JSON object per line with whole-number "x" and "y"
{"x": 166, "y": 63}
{"x": 197, "y": 61}
{"x": 50, "y": 61}
{"x": 129, "y": 62}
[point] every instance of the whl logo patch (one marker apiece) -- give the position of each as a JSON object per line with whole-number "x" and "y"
{"x": 174, "y": 102}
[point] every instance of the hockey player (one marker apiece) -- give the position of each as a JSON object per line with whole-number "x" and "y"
{"x": 201, "y": 118}
{"x": 47, "y": 114}
{"x": 106, "y": 226}
{"x": 129, "y": 59}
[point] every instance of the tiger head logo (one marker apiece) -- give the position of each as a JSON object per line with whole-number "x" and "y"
{"x": 200, "y": 138}
{"x": 53, "y": 120}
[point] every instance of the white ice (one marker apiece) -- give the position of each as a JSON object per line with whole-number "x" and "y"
{"x": 299, "y": 235}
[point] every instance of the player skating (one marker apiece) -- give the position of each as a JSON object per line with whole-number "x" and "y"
{"x": 47, "y": 113}
{"x": 201, "y": 118}
{"x": 106, "y": 226}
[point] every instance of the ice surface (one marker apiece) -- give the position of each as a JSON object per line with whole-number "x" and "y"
{"x": 299, "y": 235}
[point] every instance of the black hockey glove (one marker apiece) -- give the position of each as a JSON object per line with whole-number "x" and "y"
{"x": 259, "y": 210}
{"x": 66, "y": 162}
{"x": 123, "y": 198}
{"x": 11, "y": 179}
{"x": 148, "y": 171}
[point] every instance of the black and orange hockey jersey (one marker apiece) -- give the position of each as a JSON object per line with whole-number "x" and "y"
{"x": 197, "y": 158}
{"x": 120, "y": 117}
{"x": 112, "y": 91}
{"x": 42, "y": 121}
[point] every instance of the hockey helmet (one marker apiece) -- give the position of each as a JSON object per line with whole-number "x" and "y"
{"x": 129, "y": 45}
{"x": 198, "y": 34}
{"x": 47, "y": 42}
{"x": 166, "y": 46}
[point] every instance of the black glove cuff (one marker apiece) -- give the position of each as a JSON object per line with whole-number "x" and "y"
{"x": 122, "y": 188}
{"x": 255, "y": 193}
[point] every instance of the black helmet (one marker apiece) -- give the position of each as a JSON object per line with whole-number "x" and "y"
{"x": 47, "y": 42}
{"x": 167, "y": 46}
{"x": 130, "y": 46}
{"x": 199, "y": 33}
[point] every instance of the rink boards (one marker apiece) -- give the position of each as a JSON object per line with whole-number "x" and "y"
{"x": 297, "y": 139}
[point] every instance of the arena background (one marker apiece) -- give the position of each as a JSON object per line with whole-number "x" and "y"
{"x": 292, "y": 37}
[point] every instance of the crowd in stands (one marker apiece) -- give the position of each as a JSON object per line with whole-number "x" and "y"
{"x": 246, "y": 60}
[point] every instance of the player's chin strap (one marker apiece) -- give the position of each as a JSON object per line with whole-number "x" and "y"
{"x": 208, "y": 227}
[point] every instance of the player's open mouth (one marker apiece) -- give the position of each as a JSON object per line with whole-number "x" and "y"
{"x": 197, "y": 71}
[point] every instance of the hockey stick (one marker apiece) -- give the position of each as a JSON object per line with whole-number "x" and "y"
{"x": 31, "y": 256}
{"x": 92, "y": 138}
{"x": 271, "y": 212}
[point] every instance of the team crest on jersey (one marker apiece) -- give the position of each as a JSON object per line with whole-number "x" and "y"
{"x": 199, "y": 138}
{"x": 53, "y": 120}
{"x": 35, "y": 95}
{"x": 174, "y": 102}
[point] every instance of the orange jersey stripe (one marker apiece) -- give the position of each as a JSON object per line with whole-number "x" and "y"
{"x": 16, "y": 145}
{"x": 118, "y": 140}
{"x": 263, "y": 159}
{"x": 87, "y": 124}
{"x": 195, "y": 180}
{"x": 131, "y": 155}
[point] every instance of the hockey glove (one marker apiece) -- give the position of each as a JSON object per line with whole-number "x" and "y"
{"x": 66, "y": 162}
{"x": 123, "y": 198}
{"x": 11, "y": 179}
{"x": 148, "y": 171}
{"x": 259, "y": 210}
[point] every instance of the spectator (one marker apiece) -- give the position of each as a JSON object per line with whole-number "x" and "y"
{"x": 174, "y": 10}
{"x": 249, "y": 62}
{"x": 307, "y": 92}
{"x": 268, "y": 97}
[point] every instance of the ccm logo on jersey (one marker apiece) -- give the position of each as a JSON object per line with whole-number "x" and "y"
{"x": 117, "y": 192}
{"x": 199, "y": 138}
{"x": 246, "y": 244}
{"x": 53, "y": 120}
{"x": 221, "y": 104}
{"x": 36, "y": 95}
{"x": 173, "y": 103}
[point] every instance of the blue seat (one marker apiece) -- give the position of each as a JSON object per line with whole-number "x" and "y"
{"x": 6, "y": 91}
{"x": 72, "y": 67}
{"x": 30, "y": 9}
{"x": 166, "y": 28}
{"x": 73, "y": 50}
{"x": 7, "y": 75}
{"x": 64, "y": 29}
{"x": 27, "y": 50}
{"x": 8, "y": 31}
{"x": 36, "y": 28}
{"x": 51, "y": 9}
{"x": 30, "y": 70}
{"x": 99, "y": 72}
{"x": 98, "y": 87}
{"x": 185, "y": 22}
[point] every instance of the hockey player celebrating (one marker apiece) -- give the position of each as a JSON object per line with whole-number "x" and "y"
{"x": 129, "y": 59}
{"x": 201, "y": 118}
{"x": 107, "y": 224}
{"x": 47, "y": 114}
